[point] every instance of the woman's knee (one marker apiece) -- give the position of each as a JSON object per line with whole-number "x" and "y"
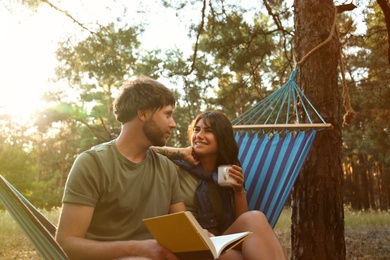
{"x": 254, "y": 217}
{"x": 254, "y": 214}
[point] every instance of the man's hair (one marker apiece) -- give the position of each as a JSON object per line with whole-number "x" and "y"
{"x": 223, "y": 132}
{"x": 141, "y": 93}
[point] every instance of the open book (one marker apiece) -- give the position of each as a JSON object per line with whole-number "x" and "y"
{"x": 182, "y": 234}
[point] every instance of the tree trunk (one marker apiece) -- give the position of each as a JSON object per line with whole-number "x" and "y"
{"x": 363, "y": 185}
{"x": 370, "y": 184}
{"x": 384, "y": 187}
{"x": 354, "y": 186}
{"x": 318, "y": 216}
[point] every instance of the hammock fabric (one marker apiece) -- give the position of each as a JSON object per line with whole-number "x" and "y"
{"x": 274, "y": 143}
{"x": 271, "y": 168}
{"x": 38, "y": 229}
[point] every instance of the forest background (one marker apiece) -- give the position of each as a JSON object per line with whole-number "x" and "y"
{"x": 237, "y": 53}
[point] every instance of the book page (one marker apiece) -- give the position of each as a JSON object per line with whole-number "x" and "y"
{"x": 227, "y": 241}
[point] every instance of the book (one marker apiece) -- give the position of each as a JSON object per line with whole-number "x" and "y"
{"x": 183, "y": 235}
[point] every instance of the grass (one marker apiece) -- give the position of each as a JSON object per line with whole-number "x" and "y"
{"x": 367, "y": 235}
{"x": 366, "y": 218}
{"x": 13, "y": 242}
{"x": 352, "y": 219}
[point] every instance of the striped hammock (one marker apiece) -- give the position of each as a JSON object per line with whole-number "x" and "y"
{"x": 274, "y": 143}
{"x": 38, "y": 229}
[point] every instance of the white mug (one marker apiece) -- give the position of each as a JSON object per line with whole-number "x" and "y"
{"x": 224, "y": 178}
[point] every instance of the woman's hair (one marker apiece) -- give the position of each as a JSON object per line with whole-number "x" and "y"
{"x": 141, "y": 93}
{"x": 223, "y": 132}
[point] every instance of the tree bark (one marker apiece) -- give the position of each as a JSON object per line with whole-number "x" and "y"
{"x": 318, "y": 215}
{"x": 386, "y": 12}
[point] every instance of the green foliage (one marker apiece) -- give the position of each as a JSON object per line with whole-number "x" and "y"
{"x": 238, "y": 58}
{"x": 31, "y": 5}
{"x": 17, "y": 166}
{"x": 105, "y": 57}
{"x": 367, "y": 140}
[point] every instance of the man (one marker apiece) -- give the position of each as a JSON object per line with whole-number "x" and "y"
{"x": 115, "y": 185}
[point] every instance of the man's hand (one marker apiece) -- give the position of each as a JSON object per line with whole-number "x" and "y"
{"x": 190, "y": 156}
{"x": 150, "y": 249}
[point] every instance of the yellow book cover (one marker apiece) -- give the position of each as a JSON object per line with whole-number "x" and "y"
{"x": 182, "y": 234}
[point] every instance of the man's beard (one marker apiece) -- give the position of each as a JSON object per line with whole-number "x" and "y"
{"x": 154, "y": 133}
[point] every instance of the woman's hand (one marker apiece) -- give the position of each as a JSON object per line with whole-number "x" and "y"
{"x": 236, "y": 173}
{"x": 241, "y": 204}
{"x": 208, "y": 233}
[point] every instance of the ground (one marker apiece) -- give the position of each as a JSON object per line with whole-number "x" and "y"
{"x": 368, "y": 243}
{"x": 361, "y": 243}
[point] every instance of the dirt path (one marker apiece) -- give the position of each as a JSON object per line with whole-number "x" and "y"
{"x": 368, "y": 243}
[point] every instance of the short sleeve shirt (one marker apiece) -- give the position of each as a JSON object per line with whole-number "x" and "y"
{"x": 122, "y": 192}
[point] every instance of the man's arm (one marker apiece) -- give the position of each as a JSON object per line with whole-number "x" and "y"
{"x": 178, "y": 207}
{"x": 187, "y": 154}
{"x": 72, "y": 228}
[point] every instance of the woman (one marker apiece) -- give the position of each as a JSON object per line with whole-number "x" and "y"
{"x": 221, "y": 210}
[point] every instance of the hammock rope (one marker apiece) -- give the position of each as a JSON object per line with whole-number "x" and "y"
{"x": 282, "y": 108}
{"x": 350, "y": 113}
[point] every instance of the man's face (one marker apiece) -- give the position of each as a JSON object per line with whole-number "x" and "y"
{"x": 159, "y": 125}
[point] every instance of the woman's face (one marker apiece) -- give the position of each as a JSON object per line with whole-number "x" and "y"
{"x": 203, "y": 140}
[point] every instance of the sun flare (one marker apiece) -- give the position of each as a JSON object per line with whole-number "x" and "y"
{"x": 20, "y": 105}
{"x": 30, "y": 39}
{"x": 26, "y": 63}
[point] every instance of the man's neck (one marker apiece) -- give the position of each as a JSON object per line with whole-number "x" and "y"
{"x": 132, "y": 143}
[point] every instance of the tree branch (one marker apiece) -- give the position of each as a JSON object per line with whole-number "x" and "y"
{"x": 105, "y": 127}
{"x": 345, "y": 7}
{"x": 69, "y": 16}
{"x": 200, "y": 29}
{"x": 92, "y": 130}
{"x": 279, "y": 27}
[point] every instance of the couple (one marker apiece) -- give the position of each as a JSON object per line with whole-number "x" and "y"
{"x": 115, "y": 185}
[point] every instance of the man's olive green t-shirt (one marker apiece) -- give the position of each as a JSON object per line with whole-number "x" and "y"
{"x": 122, "y": 192}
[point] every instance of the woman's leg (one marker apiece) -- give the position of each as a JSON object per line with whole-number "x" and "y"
{"x": 263, "y": 243}
{"x": 232, "y": 255}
